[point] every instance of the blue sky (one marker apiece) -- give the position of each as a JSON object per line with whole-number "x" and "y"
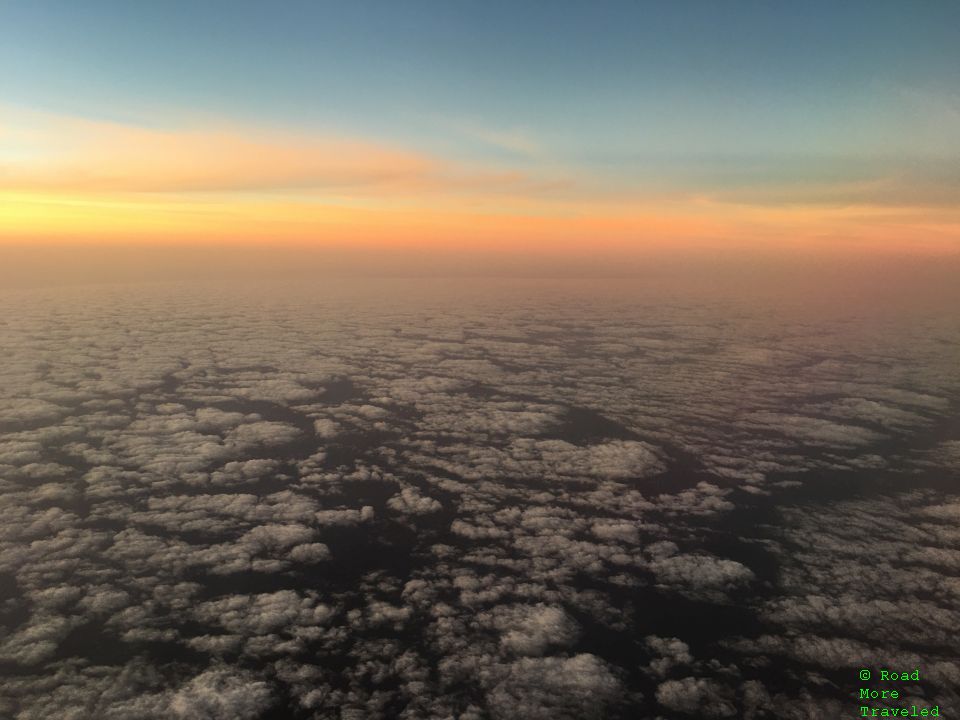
{"x": 589, "y": 78}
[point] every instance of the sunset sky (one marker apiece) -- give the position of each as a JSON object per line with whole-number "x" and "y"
{"x": 547, "y": 128}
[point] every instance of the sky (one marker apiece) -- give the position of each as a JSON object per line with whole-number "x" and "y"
{"x": 547, "y": 130}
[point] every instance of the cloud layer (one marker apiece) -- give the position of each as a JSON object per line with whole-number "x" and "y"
{"x": 336, "y": 506}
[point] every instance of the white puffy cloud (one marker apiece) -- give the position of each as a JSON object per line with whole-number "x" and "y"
{"x": 27, "y": 410}
{"x": 533, "y": 629}
{"x": 264, "y": 613}
{"x": 816, "y": 431}
{"x": 699, "y": 697}
{"x": 409, "y": 501}
{"x": 37, "y": 641}
{"x": 672, "y": 653}
{"x": 548, "y": 459}
{"x": 581, "y": 686}
{"x": 325, "y": 428}
{"x": 222, "y": 694}
{"x": 700, "y": 573}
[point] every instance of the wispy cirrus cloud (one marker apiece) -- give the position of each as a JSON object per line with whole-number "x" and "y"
{"x": 76, "y": 179}
{"x": 40, "y": 152}
{"x": 78, "y": 155}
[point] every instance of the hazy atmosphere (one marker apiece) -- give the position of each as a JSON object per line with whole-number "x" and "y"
{"x": 479, "y": 361}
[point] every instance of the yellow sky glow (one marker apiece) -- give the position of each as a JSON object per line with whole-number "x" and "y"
{"x": 79, "y": 181}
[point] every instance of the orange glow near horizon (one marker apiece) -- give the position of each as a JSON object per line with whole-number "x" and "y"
{"x": 82, "y": 182}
